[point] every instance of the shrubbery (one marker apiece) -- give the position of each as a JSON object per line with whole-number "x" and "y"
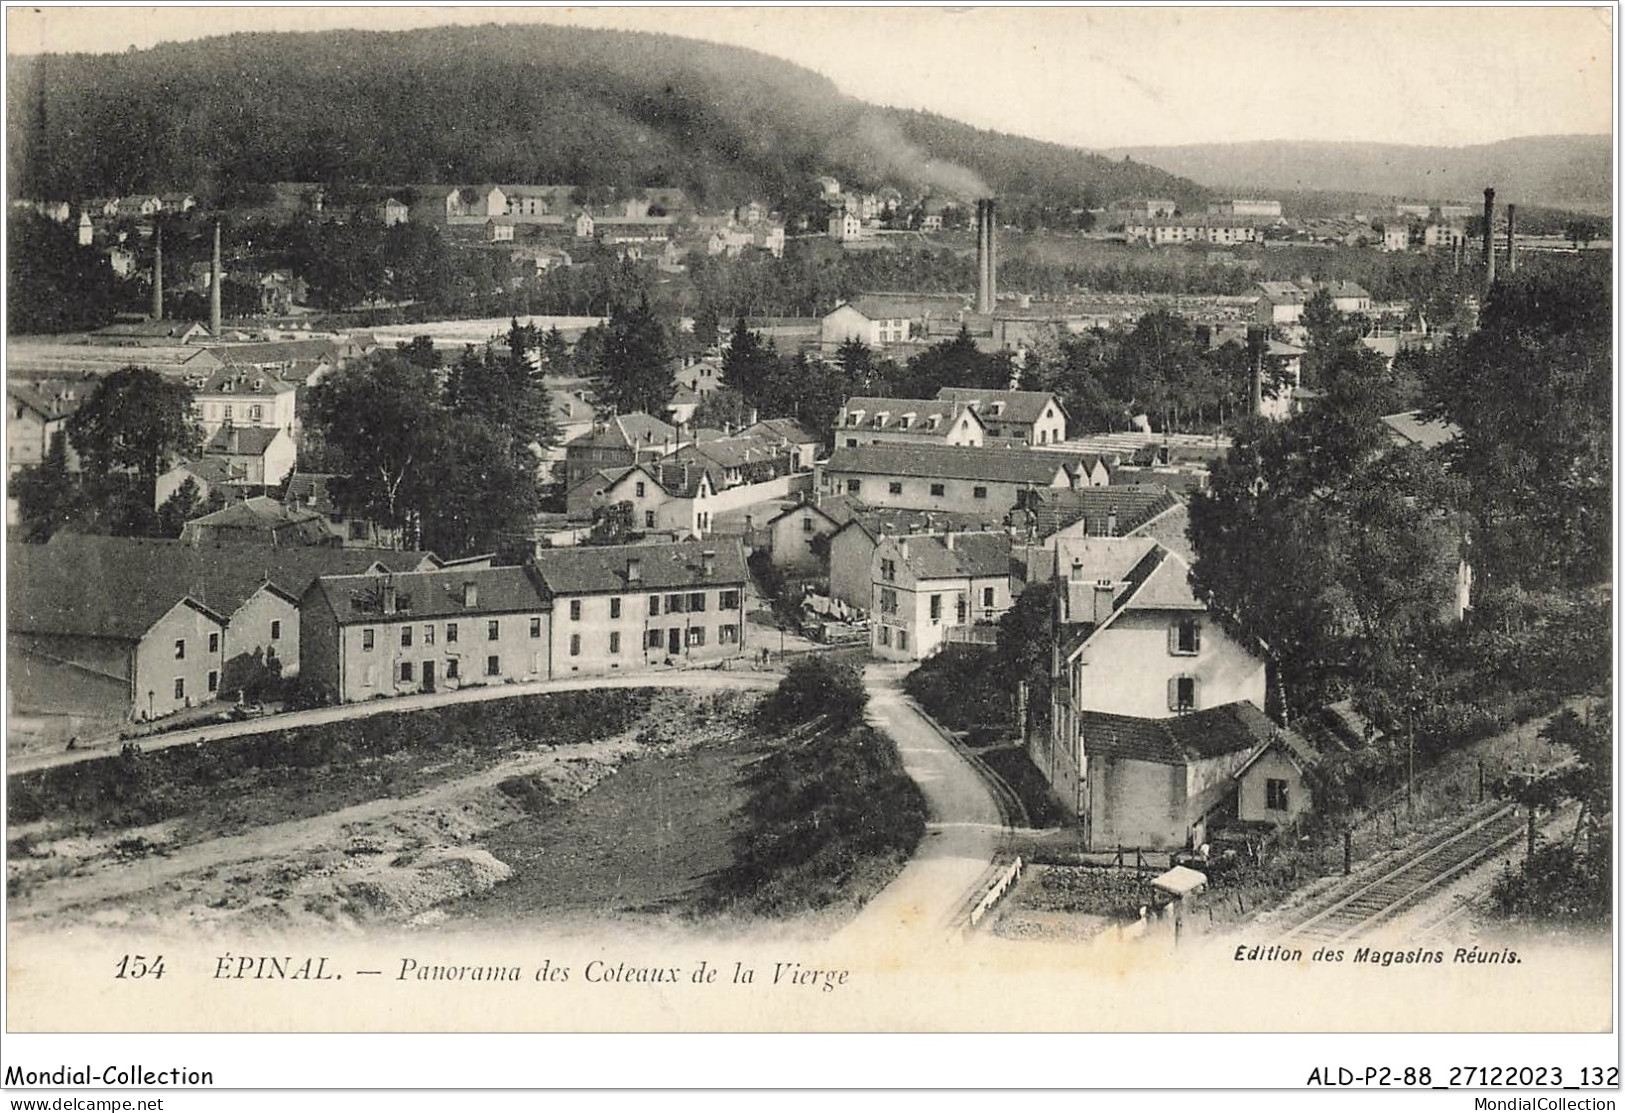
{"x": 959, "y": 687}
{"x": 352, "y": 757}
{"x": 817, "y": 686}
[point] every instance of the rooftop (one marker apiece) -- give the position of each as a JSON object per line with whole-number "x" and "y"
{"x": 957, "y": 555}
{"x": 594, "y": 569}
{"x": 999, "y": 465}
{"x": 1214, "y": 732}
{"x": 1127, "y": 508}
{"x": 1021, "y": 406}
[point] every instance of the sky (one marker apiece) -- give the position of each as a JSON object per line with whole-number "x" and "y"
{"x": 1086, "y": 76}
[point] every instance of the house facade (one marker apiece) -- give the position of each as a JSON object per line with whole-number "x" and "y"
{"x": 923, "y": 586}
{"x": 241, "y": 396}
{"x": 983, "y": 481}
{"x": 907, "y": 421}
{"x": 394, "y": 634}
{"x": 1033, "y": 417}
{"x": 628, "y": 607}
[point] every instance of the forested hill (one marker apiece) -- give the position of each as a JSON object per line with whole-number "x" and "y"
{"x": 1553, "y": 170}
{"x": 501, "y": 103}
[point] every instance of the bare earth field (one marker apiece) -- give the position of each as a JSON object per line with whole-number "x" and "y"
{"x": 621, "y": 825}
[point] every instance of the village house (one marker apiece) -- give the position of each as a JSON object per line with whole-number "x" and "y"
{"x": 260, "y": 520}
{"x": 396, "y": 633}
{"x": 1275, "y": 784}
{"x": 149, "y": 333}
{"x": 264, "y": 454}
{"x": 1222, "y": 231}
{"x": 1051, "y": 515}
{"x": 1279, "y": 303}
{"x": 36, "y": 414}
{"x": 1245, "y": 206}
{"x": 986, "y": 481}
{"x": 663, "y": 496}
{"x": 636, "y": 606}
{"x": 864, "y": 420}
{"x": 617, "y": 442}
{"x": 927, "y": 588}
{"x": 1033, "y": 417}
{"x": 798, "y": 536}
{"x": 392, "y": 212}
{"x": 1145, "y": 208}
{"x": 878, "y": 319}
{"x": 1347, "y": 297}
{"x": 1133, "y": 642}
{"x": 208, "y": 474}
{"x": 852, "y": 545}
{"x": 245, "y": 397}
{"x": 313, "y": 491}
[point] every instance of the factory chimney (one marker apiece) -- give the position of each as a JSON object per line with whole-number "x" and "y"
{"x": 158, "y": 272}
{"x": 1489, "y": 239}
{"x": 1512, "y": 247}
{"x": 214, "y": 286}
{"x": 986, "y": 257}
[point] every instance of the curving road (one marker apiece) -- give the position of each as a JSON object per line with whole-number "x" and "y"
{"x": 963, "y": 833}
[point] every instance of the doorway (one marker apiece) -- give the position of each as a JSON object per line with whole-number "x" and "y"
{"x": 428, "y": 676}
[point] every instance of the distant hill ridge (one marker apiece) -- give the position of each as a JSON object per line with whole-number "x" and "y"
{"x": 465, "y": 105}
{"x": 1549, "y": 169}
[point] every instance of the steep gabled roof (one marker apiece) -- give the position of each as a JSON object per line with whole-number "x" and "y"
{"x": 923, "y": 417}
{"x": 595, "y": 569}
{"x": 976, "y": 555}
{"x": 1020, "y": 406}
{"x": 1214, "y": 732}
{"x": 1053, "y": 509}
{"x": 634, "y": 430}
{"x": 242, "y": 440}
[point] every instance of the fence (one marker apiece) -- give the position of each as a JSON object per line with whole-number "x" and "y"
{"x": 1006, "y": 881}
{"x": 971, "y": 635}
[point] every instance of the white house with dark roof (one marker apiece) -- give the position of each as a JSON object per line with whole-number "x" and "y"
{"x": 985, "y": 481}
{"x": 265, "y": 454}
{"x": 924, "y": 586}
{"x": 618, "y": 442}
{"x": 629, "y": 607}
{"x": 242, "y": 396}
{"x": 1133, "y": 642}
{"x": 381, "y": 634}
{"x": 881, "y": 319}
{"x": 864, "y": 420}
{"x": 1034, "y": 417}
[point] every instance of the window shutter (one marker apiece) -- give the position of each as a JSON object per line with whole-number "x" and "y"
{"x": 1173, "y": 693}
{"x": 1173, "y": 637}
{"x": 1196, "y": 636}
{"x": 1196, "y": 693}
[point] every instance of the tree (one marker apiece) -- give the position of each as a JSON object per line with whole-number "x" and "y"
{"x": 421, "y": 352}
{"x": 53, "y": 284}
{"x": 631, "y": 369}
{"x": 179, "y": 508}
{"x": 1023, "y": 648}
{"x": 555, "y": 353}
{"x": 749, "y": 364}
{"x": 1580, "y": 232}
{"x": 134, "y": 421}
{"x": 47, "y": 496}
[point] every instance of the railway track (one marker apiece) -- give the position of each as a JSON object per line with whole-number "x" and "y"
{"x": 1375, "y": 902}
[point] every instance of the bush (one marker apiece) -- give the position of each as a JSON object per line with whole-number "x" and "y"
{"x": 817, "y": 687}
{"x": 959, "y": 689}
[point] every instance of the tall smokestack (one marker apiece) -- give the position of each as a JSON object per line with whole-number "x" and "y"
{"x": 1489, "y": 238}
{"x": 986, "y": 257}
{"x": 1512, "y": 246}
{"x": 214, "y": 285}
{"x": 158, "y": 273}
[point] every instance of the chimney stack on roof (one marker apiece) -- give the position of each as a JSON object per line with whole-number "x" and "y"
{"x": 986, "y": 261}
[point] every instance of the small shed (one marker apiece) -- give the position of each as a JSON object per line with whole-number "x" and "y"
{"x": 1274, "y": 784}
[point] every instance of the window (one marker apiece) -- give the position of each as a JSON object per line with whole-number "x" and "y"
{"x": 695, "y": 636}
{"x": 493, "y": 666}
{"x": 366, "y": 641}
{"x": 451, "y": 633}
{"x": 615, "y": 607}
{"x": 428, "y": 635}
{"x": 1182, "y": 693}
{"x": 451, "y": 669}
{"x": 180, "y": 649}
{"x": 614, "y": 641}
{"x": 493, "y": 630}
{"x": 674, "y": 604}
{"x": 888, "y": 600}
{"x": 978, "y": 492}
{"x": 225, "y": 411}
{"x": 885, "y": 635}
{"x": 406, "y": 670}
{"x": 853, "y": 486}
{"x": 851, "y": 442}
{"x": 214, "y": 639}
{"x": 728, "y": 601}
{"x": 936, "y": 608}
{"x": 214, "y": 681}
{"x": 653, "y": 640}
{"x": 535, "y": 626}
{"x": 406, "y": 637}
{"x": 575, "y": 611}
{"x": 806, "y": 523}
{"x": 254, "y": 414}
{"x": 959, "y": 608}
{"x": 575, "y": 645}
{"x": 987, "y": 598}
{"x": 894, "y": 488}
{"x": 654, "y": 606}
{"x": 888, "y": 569}
{"x": 1185, "y": 637}
{"x": 640, "y": 489}
{"x": 276, "y": 631}
{"x": 648, "y": 519}
{"x": 727, "y": 635}
{"x": 902, "y": 639}
{"x": 180, "y": 687}
{"x": 696, "y": 602}
{"x": 937, "y": 490}
{"x": 1275, "y": 798}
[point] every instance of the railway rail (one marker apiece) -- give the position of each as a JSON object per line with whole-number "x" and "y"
{"x": 1373, "y": 903}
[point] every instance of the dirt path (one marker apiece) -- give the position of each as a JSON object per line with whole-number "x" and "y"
{"x": 963, "y": 833}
